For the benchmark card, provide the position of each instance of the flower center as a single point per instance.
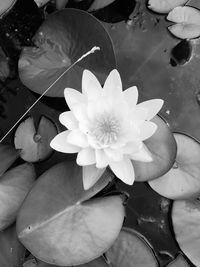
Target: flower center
(105, 129)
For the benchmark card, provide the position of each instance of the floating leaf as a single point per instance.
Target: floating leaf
(183, 180)
(6, 5)
(12, 252)
(14, 186)
(164, 6)
(131, 250)
(63, 38)
(163, 149)
(34, 144)
(187, 21)
(185, 219)
(98, 4)
(179, 262)
(7, 156)
(58, 223)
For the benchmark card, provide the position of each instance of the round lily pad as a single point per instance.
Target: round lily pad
(183, 179)
(185, 219)
(131, 250)
(34, 144)
(59, 223)
(61, 40)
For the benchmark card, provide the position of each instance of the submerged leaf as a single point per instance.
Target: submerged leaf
(187, 21)
(164, 6)
(59, 224)
(63, 38)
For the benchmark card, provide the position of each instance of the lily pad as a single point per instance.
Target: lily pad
(183, 180)
(60, 41)
(131, 250)
(58, 222)
(7, 156)
(6, 5)
(164, 6)
(12, 252)
(34, 144)
(14, 186)
(98, 4)
(187, 21)
(162, 146)
(185, 219)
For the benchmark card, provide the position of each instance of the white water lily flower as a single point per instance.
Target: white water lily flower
(106, 126)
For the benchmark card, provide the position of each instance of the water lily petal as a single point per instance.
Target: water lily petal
(138, 114)
(91, 87)
(68, 120)
(113, 154)
(142, 155)
(60, 143)
(102, 160)
(131, 147)
(147, 129)
(73, 96)
(131, 96)
(77, 138)
(113, 84)
(80, 111)
(153, 106)
(123, 170)
(91, 175)
(86, 157)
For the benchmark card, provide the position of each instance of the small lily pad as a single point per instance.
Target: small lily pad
(187, 21)
(58, 222)
(34, 144)
(131, 250)
(162, 146)
(164, 6)
(185, 219)
(183, 179)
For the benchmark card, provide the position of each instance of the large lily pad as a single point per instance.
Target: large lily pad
(59, 223)
(63, 38)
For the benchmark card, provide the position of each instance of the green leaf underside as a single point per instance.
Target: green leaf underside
(63, 226)
(66, 36)
(162, 146)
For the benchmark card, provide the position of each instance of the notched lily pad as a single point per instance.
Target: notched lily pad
(162, 146)
(63, 38)
(58, 221)
(164, 6)
(131, 250)
(34, 144)
(183, 180)
(187, 21)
